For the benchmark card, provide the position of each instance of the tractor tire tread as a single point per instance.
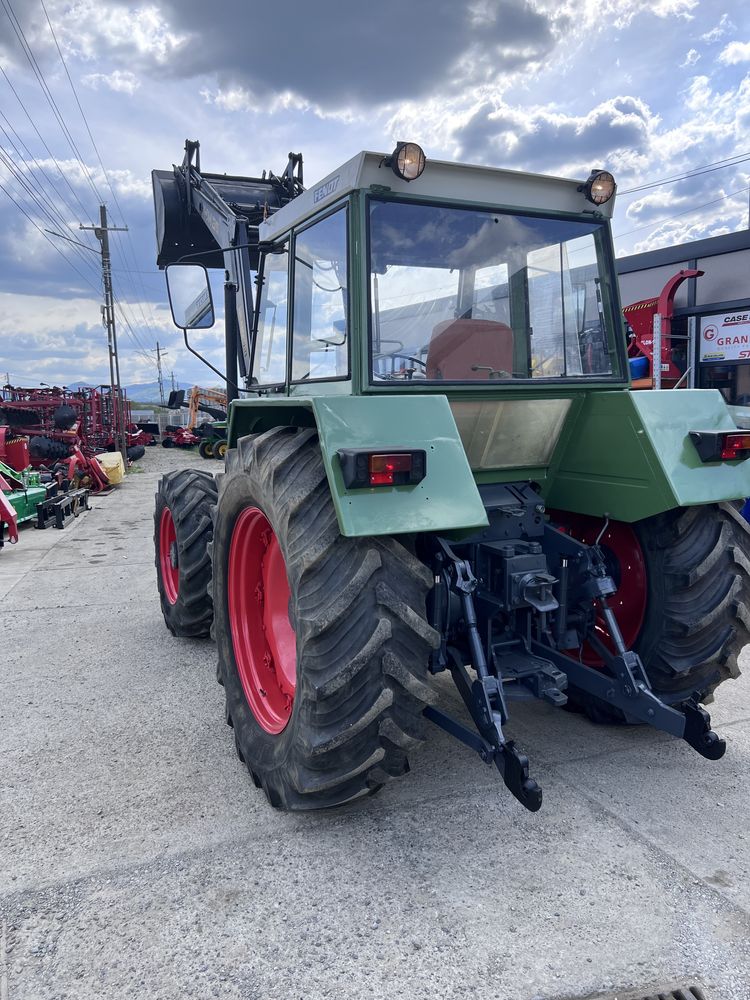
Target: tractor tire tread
(190, 495)
(358, 610)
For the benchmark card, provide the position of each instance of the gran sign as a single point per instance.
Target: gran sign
(725, 337)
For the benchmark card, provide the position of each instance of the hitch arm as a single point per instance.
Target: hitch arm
(483, 697)
(631, 694)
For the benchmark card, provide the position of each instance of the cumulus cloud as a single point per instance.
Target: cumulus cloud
(118, 80)
(674, 8)
(691, 58)
(334, 55)
(735, 52)
(541, 139)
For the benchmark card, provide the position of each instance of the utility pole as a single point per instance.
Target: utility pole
(174, 384)
(102, 232)
(159, 353)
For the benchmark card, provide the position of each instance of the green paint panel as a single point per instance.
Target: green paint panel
(629, 454)
(446, 499)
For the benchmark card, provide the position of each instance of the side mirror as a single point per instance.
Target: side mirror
(190, 296)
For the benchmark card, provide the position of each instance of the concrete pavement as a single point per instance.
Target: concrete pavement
(139, 861)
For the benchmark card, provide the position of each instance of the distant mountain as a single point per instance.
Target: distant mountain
(143, 392)
(148, 392)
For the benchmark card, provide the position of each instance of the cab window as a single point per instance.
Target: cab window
(320, 329)
(269, 362)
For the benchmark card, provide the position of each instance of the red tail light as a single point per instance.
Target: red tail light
(384, 468)
(735, 446)
(362, 467)
(721, 446)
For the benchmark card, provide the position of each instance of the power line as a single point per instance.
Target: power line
(44, 212)
(677, 215)
(53, 245)
(41, 139)
(148, 324)
(31, 58)
(21, 158)
(708, 168)
(24, 155)
(139, 348)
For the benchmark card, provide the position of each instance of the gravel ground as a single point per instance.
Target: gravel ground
(139, 861)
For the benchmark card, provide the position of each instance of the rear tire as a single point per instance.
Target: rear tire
(205, 449)
(357, 607)
(697, 620)
(167, 442)
(220, 450)
(183, 526)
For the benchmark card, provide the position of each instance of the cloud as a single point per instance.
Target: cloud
(691, 58)
(121, 81)
(735, 52)
(674, 8)
(725, 27)
(545, 139)
(334, 55)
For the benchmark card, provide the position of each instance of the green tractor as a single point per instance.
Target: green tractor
(213, 440)
(435, 463)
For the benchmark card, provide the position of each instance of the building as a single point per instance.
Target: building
(711, 325)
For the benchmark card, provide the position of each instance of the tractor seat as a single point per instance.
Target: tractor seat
(458, 345)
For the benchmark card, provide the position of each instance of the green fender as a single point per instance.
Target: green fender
(446, 499)
(629, 455)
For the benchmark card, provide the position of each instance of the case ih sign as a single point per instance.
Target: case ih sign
(726, 337)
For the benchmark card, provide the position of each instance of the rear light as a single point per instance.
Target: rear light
(362, 468)
(721, 446)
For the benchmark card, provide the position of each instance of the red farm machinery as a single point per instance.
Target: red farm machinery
(650, 334)
(58, 428)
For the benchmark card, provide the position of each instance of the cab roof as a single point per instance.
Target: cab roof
(455, 182)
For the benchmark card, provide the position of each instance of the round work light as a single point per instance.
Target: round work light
(600, 187)
(407, 161)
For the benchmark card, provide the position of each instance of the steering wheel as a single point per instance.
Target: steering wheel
(416, 364)
(493, 373)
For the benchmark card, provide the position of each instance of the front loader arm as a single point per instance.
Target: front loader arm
(213, 219)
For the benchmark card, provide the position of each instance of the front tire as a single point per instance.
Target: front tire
(183, 527)
(344, 662)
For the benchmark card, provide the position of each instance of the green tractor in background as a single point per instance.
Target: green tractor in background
(213, 440)
(436, 464)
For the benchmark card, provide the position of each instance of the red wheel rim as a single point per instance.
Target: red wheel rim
(168, 557)
(265, 646)
(626, 565)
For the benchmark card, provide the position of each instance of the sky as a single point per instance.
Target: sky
(94, 94)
